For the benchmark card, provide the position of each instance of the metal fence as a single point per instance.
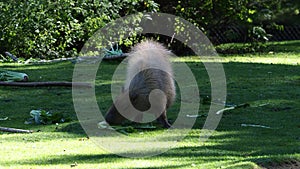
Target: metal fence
(231, 34)
(288, 33)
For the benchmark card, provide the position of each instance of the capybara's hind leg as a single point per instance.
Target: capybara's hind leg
(162, 119)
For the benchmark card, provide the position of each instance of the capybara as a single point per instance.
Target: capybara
(149, 85)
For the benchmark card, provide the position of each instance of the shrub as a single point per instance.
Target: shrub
(52, 29)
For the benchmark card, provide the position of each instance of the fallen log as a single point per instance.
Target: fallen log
(14, 130)
(45, 84)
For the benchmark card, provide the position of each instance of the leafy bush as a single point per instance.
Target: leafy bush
(52, 29)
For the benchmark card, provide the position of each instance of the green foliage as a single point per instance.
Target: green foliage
(259, 33)
(53, 29)
(10, 76)
(46, 117)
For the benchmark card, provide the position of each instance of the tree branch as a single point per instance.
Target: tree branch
(14, 130)
(45, 84)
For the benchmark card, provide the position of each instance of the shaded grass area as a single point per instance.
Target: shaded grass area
(260, 48)
(255, 80)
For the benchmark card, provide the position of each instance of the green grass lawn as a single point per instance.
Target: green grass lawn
(269, 82)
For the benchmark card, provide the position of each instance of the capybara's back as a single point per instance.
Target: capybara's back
(149, 83)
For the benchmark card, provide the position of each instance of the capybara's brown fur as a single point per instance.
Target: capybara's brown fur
(149, 85)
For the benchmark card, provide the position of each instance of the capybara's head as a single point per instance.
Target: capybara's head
(113, 116)
(122, 102)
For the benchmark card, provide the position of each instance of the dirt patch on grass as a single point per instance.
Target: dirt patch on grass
(284, 165)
